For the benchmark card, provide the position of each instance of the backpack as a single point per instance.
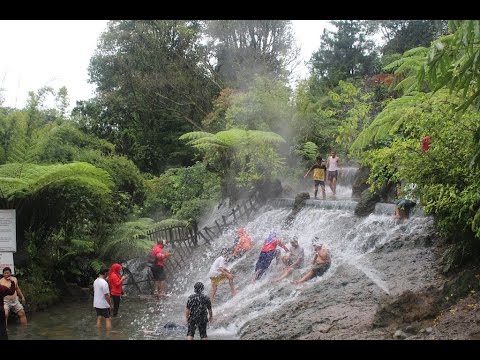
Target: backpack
(151, 260)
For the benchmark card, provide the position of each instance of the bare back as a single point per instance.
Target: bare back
(322, 256)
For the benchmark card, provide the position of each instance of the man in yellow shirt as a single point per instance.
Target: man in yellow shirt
(319, 171)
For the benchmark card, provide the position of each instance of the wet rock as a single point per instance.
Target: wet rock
(462, 284)
(359, 184)
(297, 206)
(408, 307)
(366, 203)
(399, 335)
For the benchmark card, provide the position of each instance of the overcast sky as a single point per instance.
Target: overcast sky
(56, 53)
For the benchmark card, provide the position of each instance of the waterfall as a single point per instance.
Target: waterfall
(349, 238)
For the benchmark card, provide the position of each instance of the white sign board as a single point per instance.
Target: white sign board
(6, 259)
(8, 235)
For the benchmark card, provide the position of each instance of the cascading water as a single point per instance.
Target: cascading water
(344, 183)
(348, 237)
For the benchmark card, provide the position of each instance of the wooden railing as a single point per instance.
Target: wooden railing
(183, 239)
(240, 212)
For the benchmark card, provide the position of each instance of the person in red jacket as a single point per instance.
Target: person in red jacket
(115, 281)
(267, 254)
(5, 291)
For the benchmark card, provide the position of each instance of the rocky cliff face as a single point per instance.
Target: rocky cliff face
(353, 304)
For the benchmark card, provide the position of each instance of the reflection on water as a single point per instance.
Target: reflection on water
(140, 318)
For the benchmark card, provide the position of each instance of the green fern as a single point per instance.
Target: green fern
(129, 239)
(26, 180)
(454, 61)
(308, 151)
(408, 69)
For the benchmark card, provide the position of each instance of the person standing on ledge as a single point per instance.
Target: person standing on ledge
(333, 163)
(319, 172)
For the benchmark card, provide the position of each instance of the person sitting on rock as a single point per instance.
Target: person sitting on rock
(267, 254)
(320, 264)
(292, 260)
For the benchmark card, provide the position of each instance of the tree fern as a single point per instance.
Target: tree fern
(387, 122)
(251, 153)
(308, 151)
(454, 61)
(399, 115)
(129, 239)
(407, 70)
(24, 180)
(232, 138)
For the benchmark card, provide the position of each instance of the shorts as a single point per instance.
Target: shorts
(158, 273)
(405, 204)
(332, 175)
(14, 305)
(319, 270)
(298, 266)
(319, 182)
(105, 312)
(216, 280)
(202, 329)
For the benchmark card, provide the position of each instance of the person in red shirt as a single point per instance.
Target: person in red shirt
(425, 143)
(158, 270)
(115, 281)
(267, 254)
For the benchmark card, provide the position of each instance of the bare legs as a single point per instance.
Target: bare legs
(285, 274)
(108, 322)
(212, 293)
(214, 289)
(310, 274)
(333, 185)
(232, 289)
(21, 316)
(160, 289)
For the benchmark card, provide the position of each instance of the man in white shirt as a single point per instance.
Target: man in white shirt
(218, 273)
(333, 163)
(101, 299)
(293, 259)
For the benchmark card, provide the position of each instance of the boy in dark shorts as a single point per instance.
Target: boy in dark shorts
(196, 314)
(320, 264)
(101, 299)
(319, 171)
